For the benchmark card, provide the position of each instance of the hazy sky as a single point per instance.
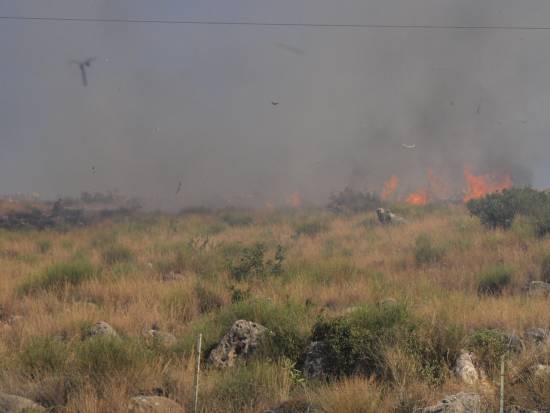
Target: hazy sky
(169, 103)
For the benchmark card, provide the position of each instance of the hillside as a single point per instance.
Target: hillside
(395, 307)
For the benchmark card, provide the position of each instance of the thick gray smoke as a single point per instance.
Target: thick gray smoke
(171, 103)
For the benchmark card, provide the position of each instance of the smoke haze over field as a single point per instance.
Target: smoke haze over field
(193, 103)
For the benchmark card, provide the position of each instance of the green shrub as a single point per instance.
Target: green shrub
(44, 246)
(488, 346)
(355, 343)
(425, 252)
(289, 324)
(248, 388)
(545, 269)
(239, 294)
(57, 276)
(44, 355)
(117, 253)
(250, 262)
(435, 347)
(494, 280)
(101, 357)
(498, 210)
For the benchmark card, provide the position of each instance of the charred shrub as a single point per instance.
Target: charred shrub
(494, 280)
(310, 228)
(350, 201)
(355, 343)
(236, 218)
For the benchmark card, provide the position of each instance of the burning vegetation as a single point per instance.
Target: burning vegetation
(474, 187)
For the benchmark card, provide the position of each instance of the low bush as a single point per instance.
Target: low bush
(355, 343)
(208, 299)
(102, 357)
(43, 355)
(494, 280)
(289, 324)
(117, 253)
(56, 277)
(488, 346)
(425, 252)
(249, 263)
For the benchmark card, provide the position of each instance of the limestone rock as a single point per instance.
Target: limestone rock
(386, 217)
(458, 403)
(16, 404)
(541, 371)
(465, 369)
(242, 339)
(102, 329)
(154, 404)
(315, 361)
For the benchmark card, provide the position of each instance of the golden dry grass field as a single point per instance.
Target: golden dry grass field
(291, 271)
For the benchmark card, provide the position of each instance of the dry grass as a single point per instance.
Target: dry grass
(344, 264)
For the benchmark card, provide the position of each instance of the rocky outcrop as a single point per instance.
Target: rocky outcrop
(315, 360)
(15, 404)
(541, 371)
(242, 339)
(465, 370)
(154, 404)
(102, 329)
(458, 403)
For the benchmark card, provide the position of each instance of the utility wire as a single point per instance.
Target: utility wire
(269, 24)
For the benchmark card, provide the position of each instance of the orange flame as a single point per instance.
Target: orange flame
(295, 200)
(481, 185)
(389, 187)
(418, 198)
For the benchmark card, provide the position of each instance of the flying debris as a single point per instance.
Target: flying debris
(93, 170)
(274, 102)
(404, 145)
(179, 188)
(82, 66)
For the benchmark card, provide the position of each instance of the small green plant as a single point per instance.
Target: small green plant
(545, 268)
(425, 252)
(494, 280)
(355, 344)
(72, 272)
(276, 265)
(43, 355)
(250, 263)
(102, 356)
(488, 346)
(44, 246)
(116, 253)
